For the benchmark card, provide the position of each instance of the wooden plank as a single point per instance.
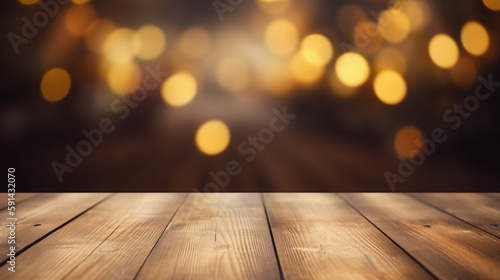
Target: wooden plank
(42, 214)
(20, 197)
(446, 246)
(492, 195)
(110, 241)
(476, 209)
(215, 236)
(318, 236)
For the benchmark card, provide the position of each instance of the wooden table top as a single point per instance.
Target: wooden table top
(254, 236)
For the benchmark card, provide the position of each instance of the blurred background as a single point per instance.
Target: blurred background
(163, 95)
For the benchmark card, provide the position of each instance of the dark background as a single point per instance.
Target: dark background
(334, 144)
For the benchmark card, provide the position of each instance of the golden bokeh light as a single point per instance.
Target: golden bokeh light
(394, 25)
(390, 87)
(96, 34)
(493, 5)
(179, 89)
(390, 58)
(118, 47)
(233, 74)
(28, 2)
(338, 88)
(464, 73)
(212, 137)
(195, 42)
(303, 71)
(407, 141)
(443, 51)
(148, 42)
(274, 7)
(78, 18)
(55, 84)
(281, 37)
(124, 78)
(316, 49)
(475, 38)
(352, 69)
(80, 1)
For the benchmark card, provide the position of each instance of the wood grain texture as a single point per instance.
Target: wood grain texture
(110, 241)
(20, 197)
(227, 235)
(122, 253)
(476, 209)
(215, 236)
(318, 236)
(40, 215)
(446, 246)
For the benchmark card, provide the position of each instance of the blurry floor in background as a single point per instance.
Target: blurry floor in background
(293, 162)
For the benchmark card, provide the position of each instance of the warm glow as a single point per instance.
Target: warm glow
(493, 5)
(390, 87)
(316, 49)
(124, 78)
(352, 69)
(464, 73)
(304, 72)
(415, 12)
(179, 89)
(195, 42)
(367, 36)
(28, 2)
(443, 51)
(212, 137)
(148, 42)
(80, 1)
(475, 38)
(348, 17)
(408, 140)
(118, 46)
(338, 88)
(78, 18)
(96, 34)
(275, 78)
(281, 37)
(390, 58)
(394, 25)
(55, 84)
(233, 74)
(274, 7)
